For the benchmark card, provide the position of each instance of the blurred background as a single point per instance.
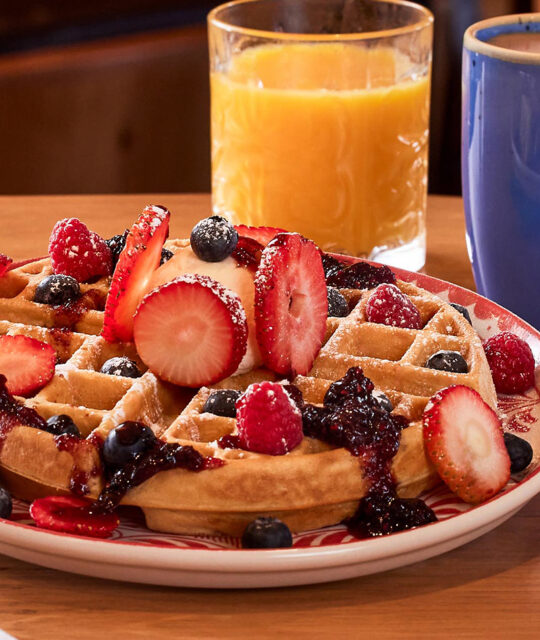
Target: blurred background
(112, 96)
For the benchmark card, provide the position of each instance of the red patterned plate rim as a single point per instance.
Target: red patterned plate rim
(455, 518)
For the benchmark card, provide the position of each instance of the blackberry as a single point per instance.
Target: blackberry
(213, 239)
(57, 290)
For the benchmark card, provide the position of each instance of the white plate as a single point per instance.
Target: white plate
(137, 554)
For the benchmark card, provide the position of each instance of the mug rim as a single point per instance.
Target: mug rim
(425, 20)
(471, 41)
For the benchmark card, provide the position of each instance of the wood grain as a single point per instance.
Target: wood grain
(487, 589)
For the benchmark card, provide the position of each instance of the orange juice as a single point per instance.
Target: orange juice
(326, 139)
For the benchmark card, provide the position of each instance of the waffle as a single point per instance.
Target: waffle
(313, 486)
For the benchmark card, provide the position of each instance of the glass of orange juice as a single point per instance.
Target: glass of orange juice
(319, 121)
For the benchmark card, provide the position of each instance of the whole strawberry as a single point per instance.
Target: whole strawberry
(268, 420)
(511, 362)
(78, 252)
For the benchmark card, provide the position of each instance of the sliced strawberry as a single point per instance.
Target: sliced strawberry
(27, 363)
(4, 264)
(464, 440)
(291, 304)
(135, 266)
(191, 331)
(262, 235)
(72, 515)
(248, 252)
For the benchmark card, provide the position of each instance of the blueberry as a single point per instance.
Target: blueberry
(126, 441)
(520, 452)
(5, 503)
(266, 533)
(166, 255)
(116, 244)
(121, 367)
(222, 403)
(213, 239)
(337, 305)
(57, 289)
(62, 425)
(383, 400)
(448, 361)
(464, 312)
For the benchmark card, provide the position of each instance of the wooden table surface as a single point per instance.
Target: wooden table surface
(487, 588)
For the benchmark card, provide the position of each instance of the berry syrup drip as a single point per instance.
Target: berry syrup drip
(13, 414)
(61, 338)
(352, 418)
(81, 451)
(68, 315)
(359, 275)
(161, 457)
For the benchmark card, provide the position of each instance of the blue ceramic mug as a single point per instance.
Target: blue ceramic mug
(501, 160)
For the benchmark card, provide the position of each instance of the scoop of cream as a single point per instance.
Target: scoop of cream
(231, 275)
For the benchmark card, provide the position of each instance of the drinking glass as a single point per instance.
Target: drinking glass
(319, 121)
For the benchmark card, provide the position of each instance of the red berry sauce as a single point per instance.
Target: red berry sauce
(352, 418)
(80, 450)
(68, 315)
(359, 275)
(161, 457)
(13, 414)
(229, 442)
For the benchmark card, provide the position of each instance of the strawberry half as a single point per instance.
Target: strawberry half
(135, 266)
(464, 440)
(262, 235)
(4, 264)
(191, 331)
(291, 304)
(27, 363)
(72, 515)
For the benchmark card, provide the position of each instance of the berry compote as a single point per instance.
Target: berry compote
(162, 456)
(351, 417)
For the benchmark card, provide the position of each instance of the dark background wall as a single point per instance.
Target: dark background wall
(109, 96)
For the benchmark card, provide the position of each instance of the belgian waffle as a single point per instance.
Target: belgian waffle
(315, 485)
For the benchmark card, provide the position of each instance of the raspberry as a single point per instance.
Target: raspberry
(78, 252)
(388, 305)
(511, 362)
(268, 420)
